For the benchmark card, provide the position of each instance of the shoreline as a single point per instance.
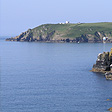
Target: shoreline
(52, 41)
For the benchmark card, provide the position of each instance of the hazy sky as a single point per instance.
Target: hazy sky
(17, 16)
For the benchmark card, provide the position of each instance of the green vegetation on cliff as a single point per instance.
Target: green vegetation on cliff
(82, 32)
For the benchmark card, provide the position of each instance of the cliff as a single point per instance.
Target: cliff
(104, 64)
(80, 32)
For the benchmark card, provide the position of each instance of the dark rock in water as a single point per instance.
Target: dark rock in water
(108, 76)
(103, 62)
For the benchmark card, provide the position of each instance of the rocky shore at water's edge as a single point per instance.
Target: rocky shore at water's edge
(104, 64)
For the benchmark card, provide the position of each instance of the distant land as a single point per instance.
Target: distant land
(67, 32)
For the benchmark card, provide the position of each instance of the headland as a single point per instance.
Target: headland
(68, 32)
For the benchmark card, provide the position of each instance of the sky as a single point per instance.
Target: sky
(16, 16)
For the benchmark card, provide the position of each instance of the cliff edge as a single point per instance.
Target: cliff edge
(104, 64)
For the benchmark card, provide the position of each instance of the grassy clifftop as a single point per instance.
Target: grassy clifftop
(82, 32)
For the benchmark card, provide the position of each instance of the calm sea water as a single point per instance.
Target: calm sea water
(52, 77)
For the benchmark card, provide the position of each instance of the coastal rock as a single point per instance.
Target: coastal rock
(103, 62)
(108, 76)
(110, 109)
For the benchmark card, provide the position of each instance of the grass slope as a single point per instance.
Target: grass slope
(75, 30)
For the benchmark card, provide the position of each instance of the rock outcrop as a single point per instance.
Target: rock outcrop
(103, 62)
(108, 75)
(110, 109)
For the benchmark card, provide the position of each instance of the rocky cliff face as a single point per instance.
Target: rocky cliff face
(103, 62)
(66, 33)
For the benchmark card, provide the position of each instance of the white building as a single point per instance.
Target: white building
(67, 22)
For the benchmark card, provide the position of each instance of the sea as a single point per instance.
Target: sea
(52, 77)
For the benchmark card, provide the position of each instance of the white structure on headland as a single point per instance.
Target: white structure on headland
(67, 22)
(61, 23)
